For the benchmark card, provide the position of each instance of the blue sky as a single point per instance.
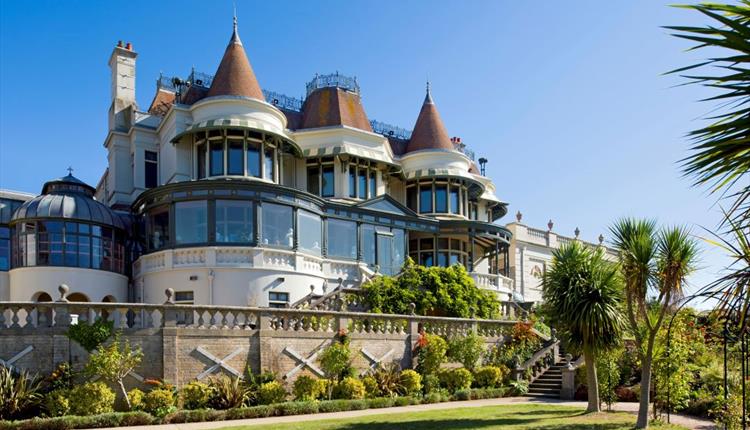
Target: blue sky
(566, 99)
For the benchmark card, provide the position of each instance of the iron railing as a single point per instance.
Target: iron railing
(333, 80)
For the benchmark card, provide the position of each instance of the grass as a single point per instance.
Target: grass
(515, 417)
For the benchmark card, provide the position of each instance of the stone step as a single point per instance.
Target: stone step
(544, 384)
(554, 396)
(548, 378)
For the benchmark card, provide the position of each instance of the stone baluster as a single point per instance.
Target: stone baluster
(169, 317)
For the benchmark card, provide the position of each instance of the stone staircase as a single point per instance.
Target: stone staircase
(549, 383)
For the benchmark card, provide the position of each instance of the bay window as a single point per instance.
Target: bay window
(234, 221)
(278, 225)
(342, 238)
(191, 222)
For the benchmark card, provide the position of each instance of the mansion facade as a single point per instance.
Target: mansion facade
(233, 195)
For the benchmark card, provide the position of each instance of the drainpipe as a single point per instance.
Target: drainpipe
(522, 272)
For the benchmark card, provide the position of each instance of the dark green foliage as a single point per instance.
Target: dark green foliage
(431, 384)
(114, 419)
(381, 402)
(455, 379)
(228, 392)
(260, 411)
(196, 416)
(521, 344)
(447, 291)
(464, 394)
(91, 336)
(388, 379)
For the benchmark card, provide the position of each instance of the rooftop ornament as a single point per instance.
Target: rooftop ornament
(519, 216)
(550, 224)
(333, 80)
(389, 130)
(577, 232)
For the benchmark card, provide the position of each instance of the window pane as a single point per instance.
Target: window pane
(313, 184)
(217, 158)
(362, 191)
(201, 161)
(150, 169)
(373, 184)
(399, 246)
(454, 258)
(327, 186)
(442, 259)
(310, 229)
(441, 198)
(352, 181)
(425, 199)
(278, 227)
(368, 243)
(425, 259)
(234, 158)
(253, 159)
(84, 251)
(411, 198)
(4, 248)
(157, 225)
(342, 238)
(191, 222)
(71, 249)
(426, 243)
(234, 221)
(269, 163)
(455, 203)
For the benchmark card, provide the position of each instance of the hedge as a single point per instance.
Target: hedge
(124, 419)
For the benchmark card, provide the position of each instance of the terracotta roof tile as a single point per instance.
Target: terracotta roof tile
(429, 131)
(162, 102)
(235, 76)
(333, 106)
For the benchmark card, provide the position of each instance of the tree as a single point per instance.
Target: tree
(584, 292)
(720, 154)
(651, 261)
(114, 362)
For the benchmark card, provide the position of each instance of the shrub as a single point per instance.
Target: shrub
(467, 349)
(227, 393)
(91, 398)
(324, 387)
(335, 361)
(260, 411)
(18, 394)
(297, 408)
(488, 393)
(381, 402)
(350, 389)
(371, 386)
(435, 397)
(411, 382)
(271, 392)
(91, 336)
(431, 384)
(388, 379)
(114, 362)
(195, 395)
(519, 388)
(432, 353)
(455, 379)
(57, 403)
(626, 394)
(405, 401)
(488, 376)
(136, 399)
(305, 388)
(159, 402)
(462, 395)
(341, 405)
(195, 416)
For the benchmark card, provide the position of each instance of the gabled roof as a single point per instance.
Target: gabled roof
(429, 130)
(235, 76)
(386, 203)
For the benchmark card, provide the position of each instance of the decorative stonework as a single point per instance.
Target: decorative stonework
(9, 362)
(218, 363)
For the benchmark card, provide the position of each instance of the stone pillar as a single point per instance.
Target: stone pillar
(169, 339)
(568, 389)
(413, 337)
(264, 338)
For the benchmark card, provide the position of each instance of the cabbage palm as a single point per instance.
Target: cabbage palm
(584, 293)
(721, 150)
(655, 262)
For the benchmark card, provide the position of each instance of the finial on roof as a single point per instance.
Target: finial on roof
(519, 216)
(601, 239)
(70, 171)
(428, 97)
(550, 224)
(577, 232)
(235, 34)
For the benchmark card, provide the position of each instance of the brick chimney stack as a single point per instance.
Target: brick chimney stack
(122, 67)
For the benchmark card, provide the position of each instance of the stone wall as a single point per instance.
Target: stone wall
(182, 343)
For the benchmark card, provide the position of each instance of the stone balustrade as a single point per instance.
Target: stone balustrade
(247, 257)
(182, 343)
(489, 281)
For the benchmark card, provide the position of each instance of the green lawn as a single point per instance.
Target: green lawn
(519, 416)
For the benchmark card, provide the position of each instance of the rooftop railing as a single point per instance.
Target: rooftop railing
(333, 80)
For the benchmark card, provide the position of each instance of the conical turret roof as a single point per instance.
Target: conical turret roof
(235, 76)
(429, 131)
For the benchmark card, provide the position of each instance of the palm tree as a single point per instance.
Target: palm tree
(657, 262)
(584, 293)
(721, 150)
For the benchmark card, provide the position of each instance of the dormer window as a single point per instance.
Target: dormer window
(321, 177)
(362, 181)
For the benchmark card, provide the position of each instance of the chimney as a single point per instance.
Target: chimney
(122, 67)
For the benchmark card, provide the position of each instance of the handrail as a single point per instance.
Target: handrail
(539, 354)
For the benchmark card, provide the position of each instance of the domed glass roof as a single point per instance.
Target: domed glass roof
(68, 198)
